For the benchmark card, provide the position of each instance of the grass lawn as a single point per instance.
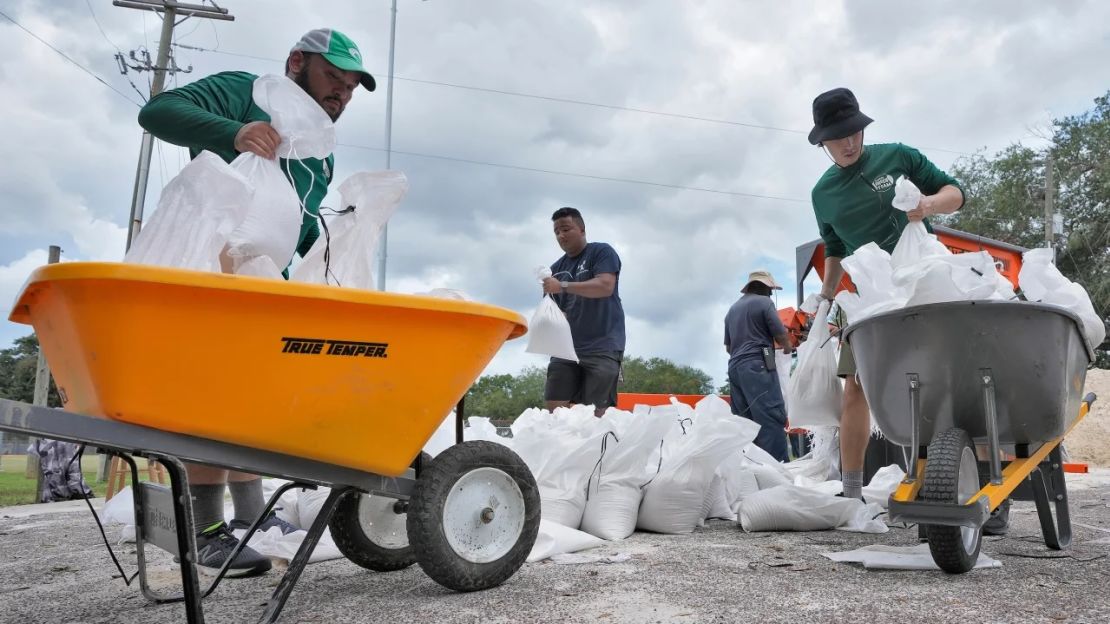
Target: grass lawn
(17, 489)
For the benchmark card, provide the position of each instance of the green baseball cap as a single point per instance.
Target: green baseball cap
(338, 49)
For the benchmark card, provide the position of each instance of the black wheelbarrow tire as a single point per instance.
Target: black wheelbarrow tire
(952, 476)
(368, 530)
(474, 516)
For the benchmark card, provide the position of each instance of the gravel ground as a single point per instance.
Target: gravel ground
(53, 568)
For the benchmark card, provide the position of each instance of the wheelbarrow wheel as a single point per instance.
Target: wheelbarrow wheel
(474, 516)
(952, 476)
(372, 530)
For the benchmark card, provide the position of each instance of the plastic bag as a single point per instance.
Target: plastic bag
(272, 223)
(549, 332)
(872, 272)
(1040, 280)
(1038, 275)
(615, 486)
(674, 500)
(368, 200)
(814, 392)
(916, 243)
(196, 213)
(906, 195)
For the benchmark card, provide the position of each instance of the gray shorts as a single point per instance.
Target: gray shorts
(590, 381)
(846, 364)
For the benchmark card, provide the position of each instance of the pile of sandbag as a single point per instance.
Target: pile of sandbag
(664, 469)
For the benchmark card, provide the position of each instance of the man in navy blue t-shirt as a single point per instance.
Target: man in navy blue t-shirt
(584, 284)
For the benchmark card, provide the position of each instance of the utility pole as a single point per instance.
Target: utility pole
(388, 136)
(170, 10)
(42, 393)
(1049, 238)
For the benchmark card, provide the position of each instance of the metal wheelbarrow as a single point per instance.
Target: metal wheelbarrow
(319, 385)
(944, 378)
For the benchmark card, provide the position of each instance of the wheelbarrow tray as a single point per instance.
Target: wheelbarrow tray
(1036, 354)
(349, 377)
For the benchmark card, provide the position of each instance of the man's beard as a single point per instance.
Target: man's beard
(302, 81)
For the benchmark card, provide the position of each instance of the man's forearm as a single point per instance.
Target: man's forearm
(945, 201)
(834, 272)
(177, 120)
(596, 288)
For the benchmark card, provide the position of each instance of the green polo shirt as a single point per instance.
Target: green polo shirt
(853, 204)
(207, 114)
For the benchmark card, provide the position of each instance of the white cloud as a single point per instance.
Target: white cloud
(941, 76)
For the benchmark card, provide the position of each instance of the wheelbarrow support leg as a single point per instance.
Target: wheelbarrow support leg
(1049, 488)
(991, 413)
(186, 535)
(300, 560)
(914, 382)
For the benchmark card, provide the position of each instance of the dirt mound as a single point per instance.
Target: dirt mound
(1090, 441)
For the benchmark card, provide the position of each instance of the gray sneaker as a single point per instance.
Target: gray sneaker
(999, 522)
(215, 543)
(271, 521)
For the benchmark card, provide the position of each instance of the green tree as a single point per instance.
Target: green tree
(504, 397)
(17, 372)
(662, 376)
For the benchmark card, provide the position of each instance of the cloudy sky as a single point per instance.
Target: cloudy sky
(677, 127)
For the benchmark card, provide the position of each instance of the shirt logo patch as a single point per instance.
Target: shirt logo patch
(883, 183)
(327, 170)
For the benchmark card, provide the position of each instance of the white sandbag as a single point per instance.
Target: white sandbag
(196, 213)
(275, 545)
(906, 194)
(1038, 275)
(673, 500)
(916, 244)
(272, 224)
(256, 266)
(615, 487)
(481, 428)
(756, 456)
(120, 509)
(309, 503)
(767, 477)
(814, 391)
(716, 504)
(883, 484)
(784, 362)
(792, 508)
(443, 437)
(738, 480)
(1040, 280)
(560, 449)
(556, 539)
(871, 270)
(368, 200)
(549, 332)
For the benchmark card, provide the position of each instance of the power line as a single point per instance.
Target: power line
(562, 100)
(579, 175)
(66, 57)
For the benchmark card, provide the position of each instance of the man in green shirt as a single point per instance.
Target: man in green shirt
(852, 203)
(218, 114)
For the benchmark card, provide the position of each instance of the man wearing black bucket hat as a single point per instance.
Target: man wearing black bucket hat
(852, 203)
(218, 114)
